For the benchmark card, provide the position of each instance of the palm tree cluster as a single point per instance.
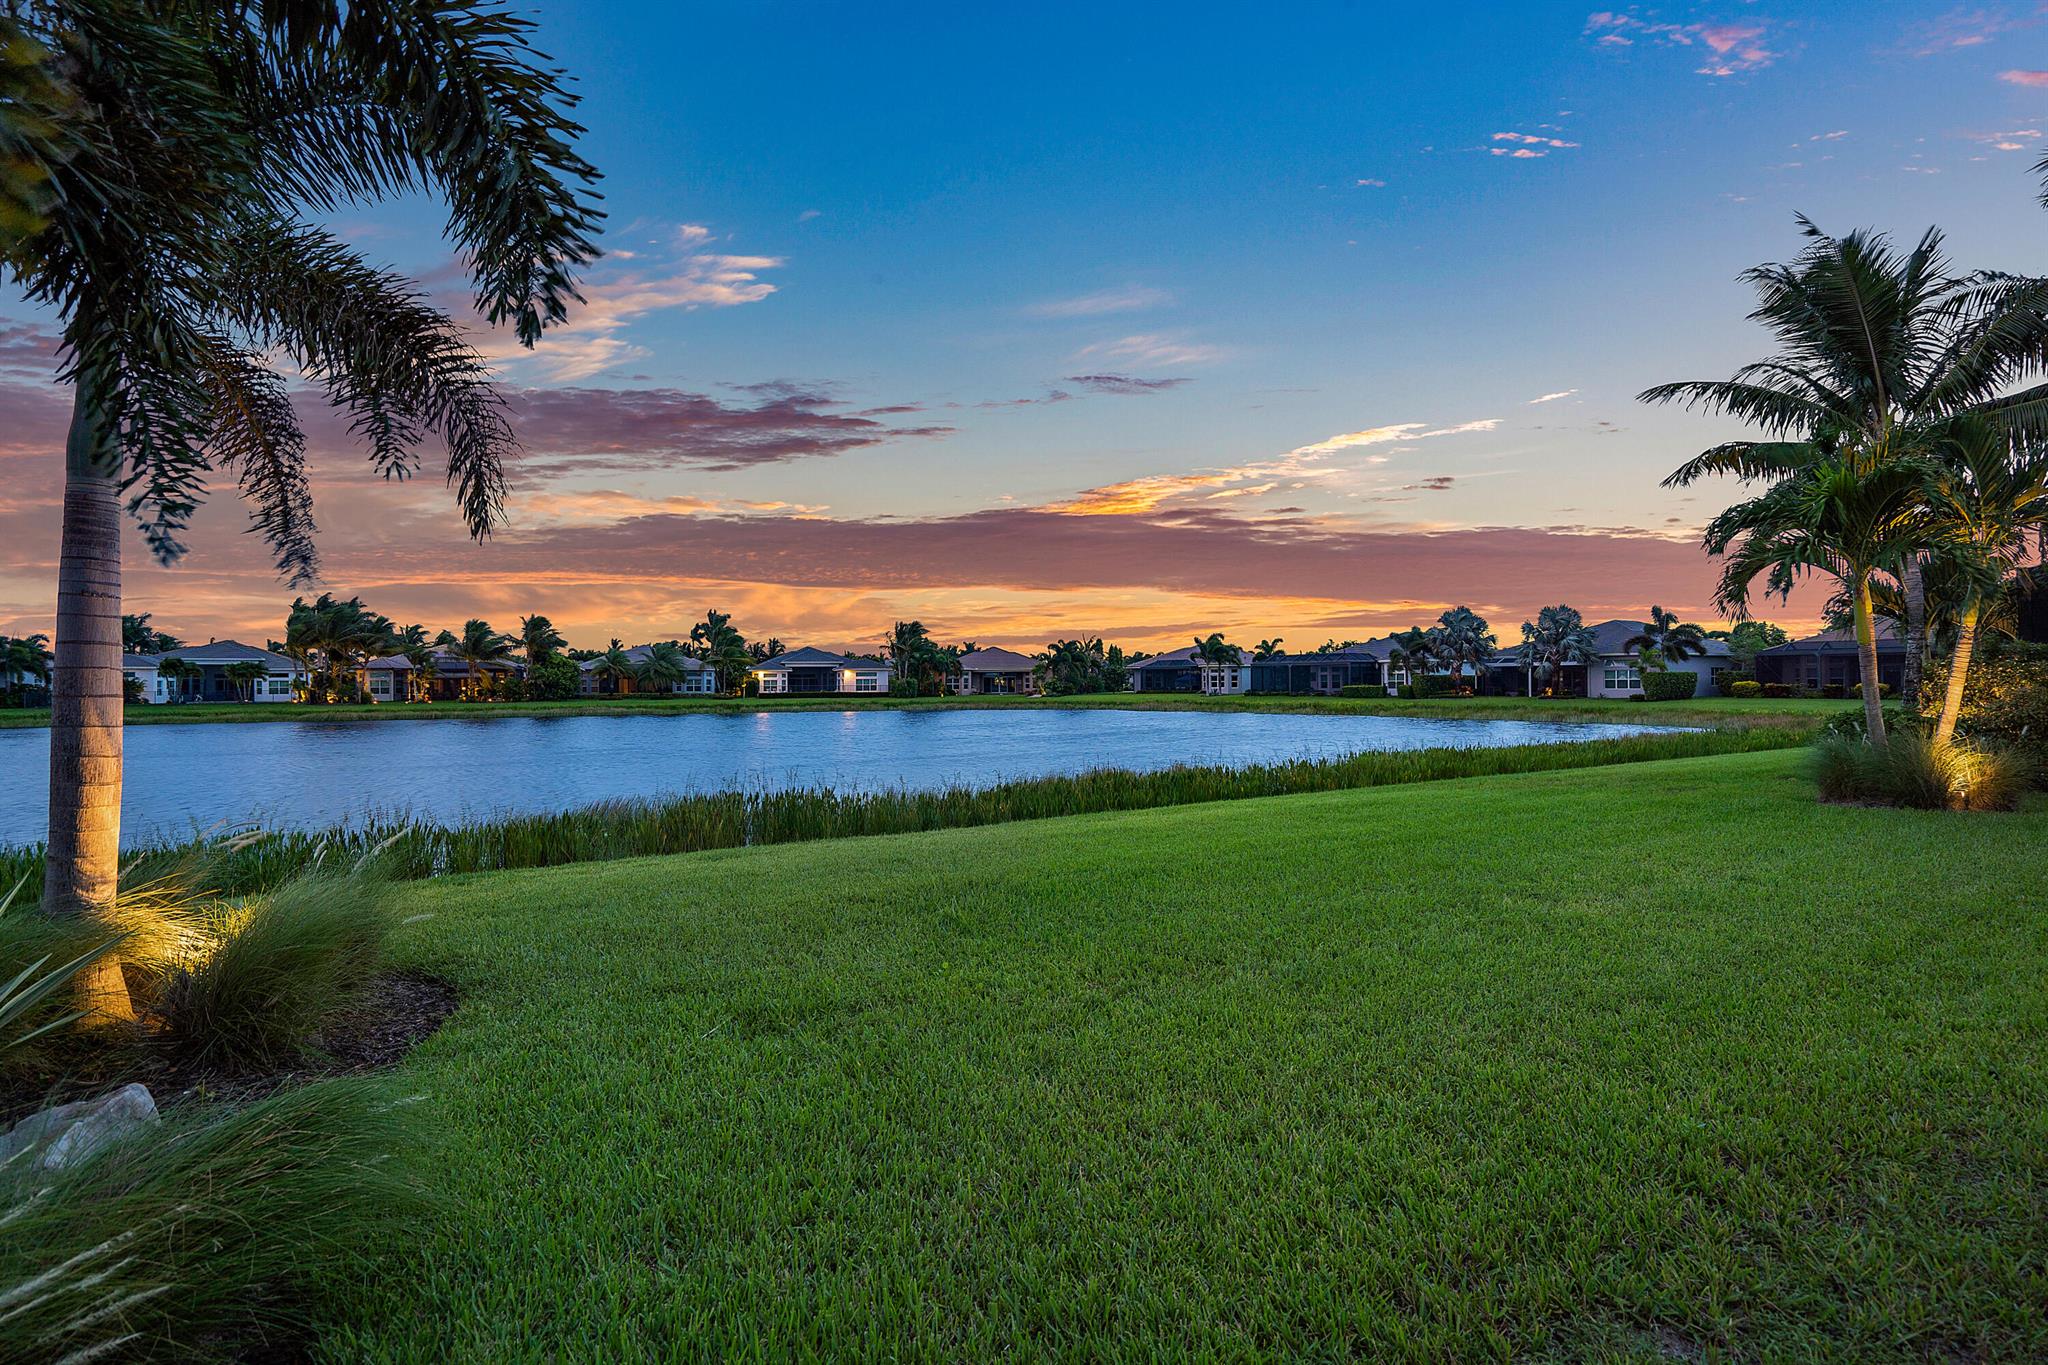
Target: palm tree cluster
(920, 664)
(1666, 640)
(1070, 668)
(332, 639)
(1558, 638)
(1906, 450)
(170, 168)
(139, 637)
(24, 660)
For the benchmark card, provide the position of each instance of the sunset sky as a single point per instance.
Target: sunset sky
(1132, 321)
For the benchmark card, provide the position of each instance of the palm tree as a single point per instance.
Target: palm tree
(180, 169)
(1409, 652)
(723, 647)
(1843, 515)
(1215, 652)
(1666, 639)
(912, 653)
(1558, 637)
(138, 637)
(1461, 637)
(478, 647)
(21, 658)
(419, 652)
(1879, 352)
(245, 674)
(539, 638)
(662, 667)
(1990, 500)
(344, 635)
(615, 664)
(1267, 649)
(179, 673)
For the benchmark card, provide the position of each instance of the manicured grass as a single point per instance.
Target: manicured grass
(1716, 711)
(1645, 1062)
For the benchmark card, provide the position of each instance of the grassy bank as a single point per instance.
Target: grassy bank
(689, 824)
(1664, 1061)
(1721, 712)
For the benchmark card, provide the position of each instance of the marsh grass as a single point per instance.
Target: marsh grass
(690, 824)
(1914, 771)
(194, 1242)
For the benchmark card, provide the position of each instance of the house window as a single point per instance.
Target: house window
(1623, 677)
(380, 685)
(867, 682)
(774, 682)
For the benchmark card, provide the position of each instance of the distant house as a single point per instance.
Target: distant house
(806, 672)
(1829, 659)
(1178, 671)
(395, 677)
(699, 678)
(1615, 671)
(279, 682)
(995, 672)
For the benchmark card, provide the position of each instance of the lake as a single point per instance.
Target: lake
(315, 774)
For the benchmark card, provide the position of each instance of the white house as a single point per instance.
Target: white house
(806, 672)
(995, 672)
(699, 678)
(1615, 670)
(280, 681)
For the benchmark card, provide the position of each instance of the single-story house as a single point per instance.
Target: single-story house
(810, 671)
(280, 681)
(699, 679)
(1354, 666)
(1829, 660)
(1615, 671)
(994, 672)
(395, 677)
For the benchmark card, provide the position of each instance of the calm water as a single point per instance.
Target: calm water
(313, 774)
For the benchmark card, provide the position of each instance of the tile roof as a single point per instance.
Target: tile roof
(996, 661)
(814, 658)
(229, 652)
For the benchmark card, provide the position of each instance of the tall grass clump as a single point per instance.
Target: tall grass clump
(1916, 771)
(688, 824)
(276, 966)
(193, 1241)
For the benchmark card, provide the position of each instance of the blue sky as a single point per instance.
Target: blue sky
(1281, 288)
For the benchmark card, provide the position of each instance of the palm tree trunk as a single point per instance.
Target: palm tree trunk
(84, 858)
(1866, 652)
(1913, 578)
(1958, 672)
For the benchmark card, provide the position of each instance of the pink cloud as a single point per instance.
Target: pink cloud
(2028, 78)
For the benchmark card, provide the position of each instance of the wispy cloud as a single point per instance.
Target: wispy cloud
(1156, 348)
(1130, 298)
(1122, 383)
(1961, 28)
(1552, 397)
(1731, 49)
(1835, 136)
(2013, 140)
(2028, 78)
(1371, 183)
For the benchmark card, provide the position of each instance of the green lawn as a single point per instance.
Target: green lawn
(1717, 711)
(1648, 1062)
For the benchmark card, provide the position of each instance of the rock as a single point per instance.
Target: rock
(69, 1133)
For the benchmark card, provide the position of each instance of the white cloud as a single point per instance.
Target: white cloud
(1128, 298)
(1372, 184)
(1153, 348)
(1552, 397)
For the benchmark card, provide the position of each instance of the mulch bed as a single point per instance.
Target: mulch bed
(397, 1012)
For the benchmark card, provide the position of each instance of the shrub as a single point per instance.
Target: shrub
(2005, 701)
(275, 969)
(1670, 685)
(194, 1241)
(1779, 690)
(903, 687)
(1914, 771)
(1745, 687)
(1835, 691)
(1884, 690)
(554, 678)
(1361, 690)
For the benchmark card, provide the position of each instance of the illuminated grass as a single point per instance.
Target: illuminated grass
(1646, 1062)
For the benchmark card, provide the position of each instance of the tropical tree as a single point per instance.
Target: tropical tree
(178, 172)
(663, 666)
(723, 647)
(412, 642)
(616, 664)
(22, 658)
(771, 647)
(138, 637)
(1071, 668)
(481, 649)
(179, 674)
(1215, 651)
(245, 674)
(1407, 652)
(914, 655)
(538, 638)
(1267, 649)
(1460, 638)
(1747, 639)
(1665, 640)
(1556, 639)
(342, 635)
(1879, 352)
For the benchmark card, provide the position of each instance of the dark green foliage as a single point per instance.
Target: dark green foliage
(1361, 690)
(283, 964)
(1670, 685)
(2005, 699)
(1779, 691)
(204, 1238)
(554, 678)
(904, 687)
